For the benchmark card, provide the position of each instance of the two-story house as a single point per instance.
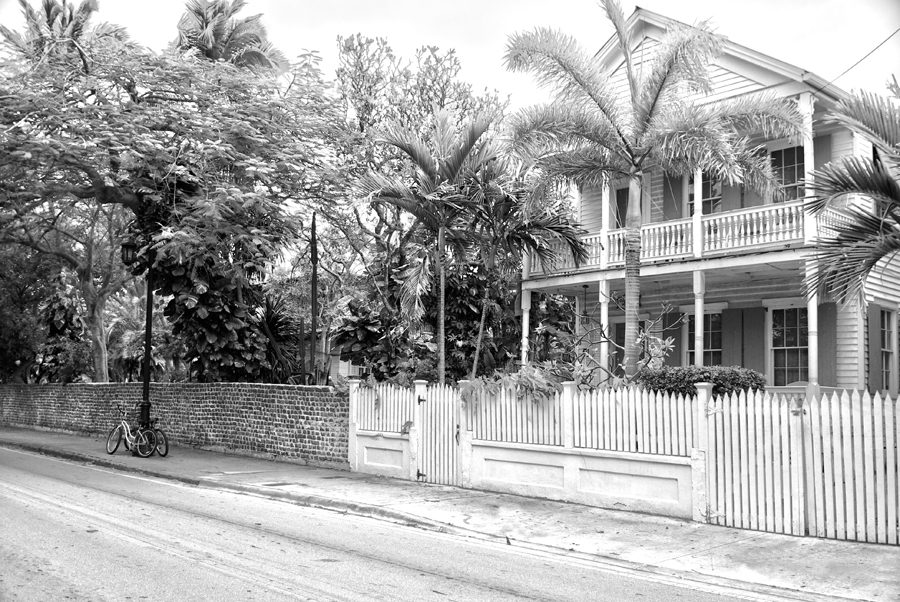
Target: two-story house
(731, 256)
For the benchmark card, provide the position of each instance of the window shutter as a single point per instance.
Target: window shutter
(873, 324)
(671, 197)
(827, 328)
(821, 150)
(755, 334)
(732, 337)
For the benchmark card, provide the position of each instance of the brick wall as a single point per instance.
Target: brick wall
(302, 424)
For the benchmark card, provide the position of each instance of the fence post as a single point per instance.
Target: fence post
(415, 429)
(798, 478)
(464, 450)
(568, 413)
(699, 473)
(813, 392)
(352, 443)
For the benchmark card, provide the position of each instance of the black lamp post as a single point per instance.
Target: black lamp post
(129, 255)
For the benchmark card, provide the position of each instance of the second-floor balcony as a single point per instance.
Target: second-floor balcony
(761, 228)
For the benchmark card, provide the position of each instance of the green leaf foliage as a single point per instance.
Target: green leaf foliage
(681, 380)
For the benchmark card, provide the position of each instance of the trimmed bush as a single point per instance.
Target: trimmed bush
(678, 379)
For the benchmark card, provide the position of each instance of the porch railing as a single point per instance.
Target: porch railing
(754, 228)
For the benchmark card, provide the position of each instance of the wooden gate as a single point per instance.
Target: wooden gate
(438, 457)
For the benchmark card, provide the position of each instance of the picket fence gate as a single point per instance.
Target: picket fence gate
(825, 466)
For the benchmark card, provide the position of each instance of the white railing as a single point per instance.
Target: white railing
(755, 227)
(777, 223)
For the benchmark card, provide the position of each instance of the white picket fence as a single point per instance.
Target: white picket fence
(384, 408)
(633, 420)
(824, 466)
(509, 417)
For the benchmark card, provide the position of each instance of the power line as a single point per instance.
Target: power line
(883, 42)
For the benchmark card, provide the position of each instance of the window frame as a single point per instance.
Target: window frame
(689, 311)
(780, 304)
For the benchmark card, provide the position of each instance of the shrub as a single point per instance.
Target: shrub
(677, 379)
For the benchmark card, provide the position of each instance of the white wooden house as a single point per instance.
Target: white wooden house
(739, 259)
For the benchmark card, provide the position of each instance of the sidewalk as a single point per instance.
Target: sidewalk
(763, 565)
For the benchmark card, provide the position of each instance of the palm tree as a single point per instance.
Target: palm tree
(441, 161)
(507, 224)
(57, 29)
(868, 232)
(589, 134)
(212, 28)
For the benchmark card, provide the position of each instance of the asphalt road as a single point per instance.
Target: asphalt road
(75, 532)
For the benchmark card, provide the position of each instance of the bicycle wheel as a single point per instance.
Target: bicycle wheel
(145, 443)
(113, 439)
(162, 443)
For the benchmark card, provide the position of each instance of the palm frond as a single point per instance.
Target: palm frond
(679, 67)
(416, 282)
(854, 249)
(625, 42)
(405, 139)
(854, 175)
(874, 117)
(453, 161)
(557, 62)
(561, 126)
(763, 113)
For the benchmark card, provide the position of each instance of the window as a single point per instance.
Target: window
(789, 345)
(621, 206)
(710, 194)
(887, 348)
(712, 340)
(788, 166)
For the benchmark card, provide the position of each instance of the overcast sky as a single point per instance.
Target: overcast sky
(823, 36)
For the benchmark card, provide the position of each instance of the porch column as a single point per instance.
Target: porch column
(697, 222)
(604, 223)
(526, 317)
(812, 330)
(806, 105)
(699, 292)
(604, 323)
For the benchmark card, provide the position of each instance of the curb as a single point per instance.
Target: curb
(722, 585)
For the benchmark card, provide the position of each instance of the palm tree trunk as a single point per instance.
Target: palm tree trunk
(480, 339)
(632, 273)
(442, 352)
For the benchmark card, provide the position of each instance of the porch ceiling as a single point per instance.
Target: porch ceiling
(681, 283)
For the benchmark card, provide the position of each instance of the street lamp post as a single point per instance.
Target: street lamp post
(129, 253)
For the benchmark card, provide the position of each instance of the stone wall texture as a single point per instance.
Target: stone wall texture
(302, 424)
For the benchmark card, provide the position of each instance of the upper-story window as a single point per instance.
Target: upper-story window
(790, 170)
(710, 194)
(621, 206)
(887, 348)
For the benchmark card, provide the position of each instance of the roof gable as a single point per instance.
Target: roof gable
(738, 70)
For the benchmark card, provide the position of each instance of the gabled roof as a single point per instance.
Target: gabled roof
(654, 23)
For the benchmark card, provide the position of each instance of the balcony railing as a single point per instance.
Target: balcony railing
(755, 228)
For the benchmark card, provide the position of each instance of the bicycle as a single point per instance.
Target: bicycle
(140, 440)
(162, 441)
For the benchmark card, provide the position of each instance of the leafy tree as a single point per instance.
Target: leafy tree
(26, 281)
(211, 28)
(589, 133)
(868, 233)
(207, 155)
